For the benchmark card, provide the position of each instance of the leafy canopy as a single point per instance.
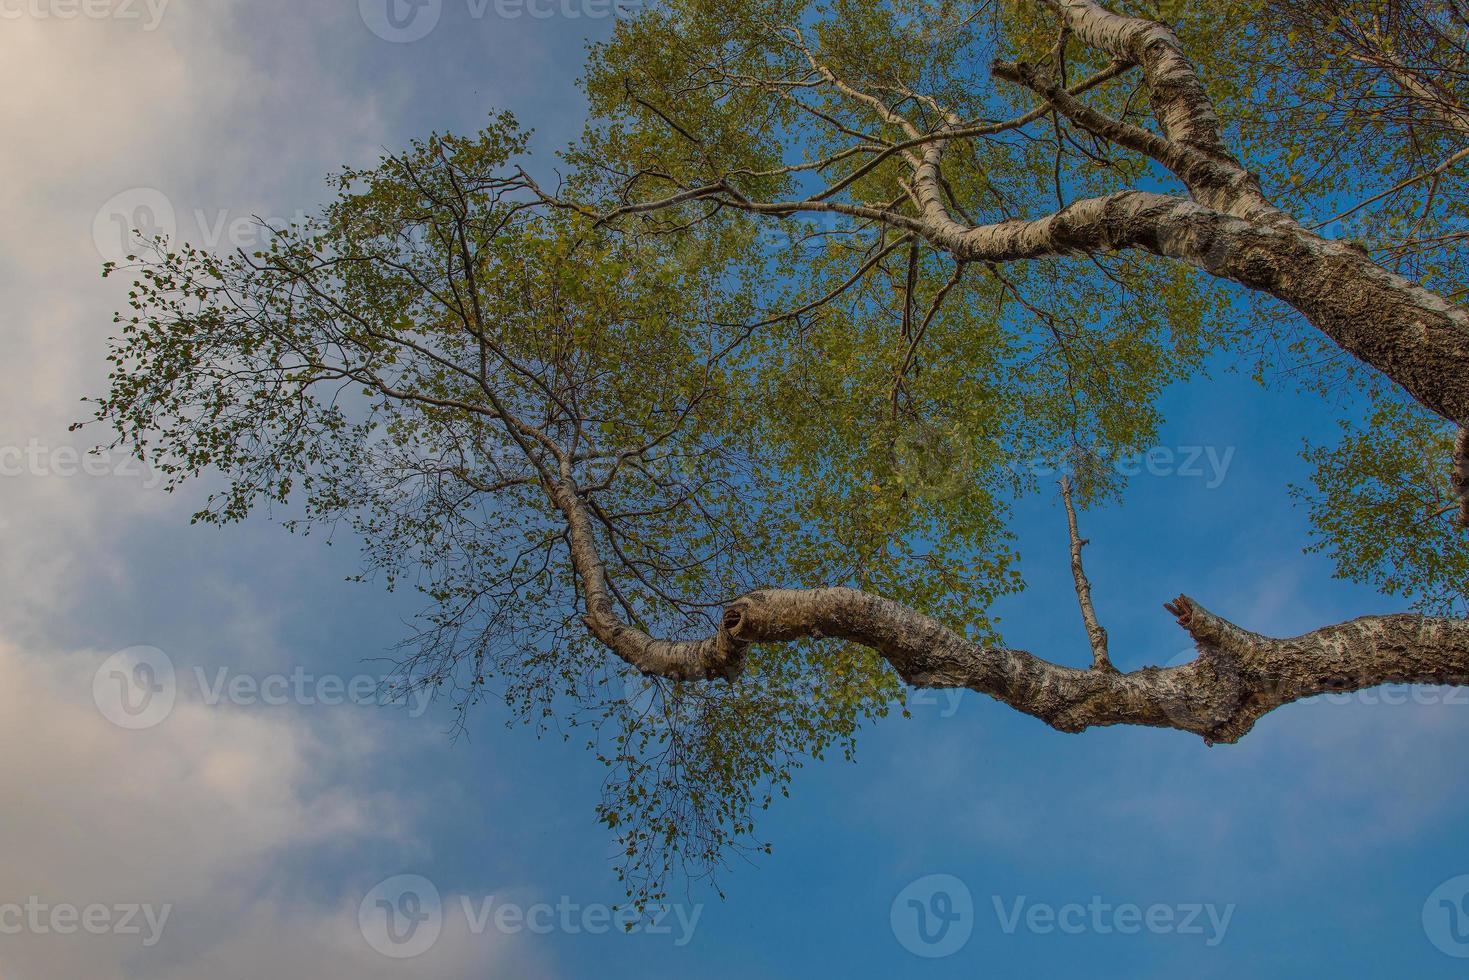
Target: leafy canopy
(747, 400)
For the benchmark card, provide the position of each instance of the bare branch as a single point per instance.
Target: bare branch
(1095, 632)
(1460, 477)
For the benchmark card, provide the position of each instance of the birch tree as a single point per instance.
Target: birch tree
(702, 442)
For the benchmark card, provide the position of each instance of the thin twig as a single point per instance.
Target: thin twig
(1095, 632)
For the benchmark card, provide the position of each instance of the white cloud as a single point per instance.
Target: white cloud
(215, 813)
(92, 108)
(224, 815)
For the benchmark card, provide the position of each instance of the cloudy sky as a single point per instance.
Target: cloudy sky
(281, 830)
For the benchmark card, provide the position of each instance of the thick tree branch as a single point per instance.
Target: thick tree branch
(1179, 101)
(1410, 334)
(1182, 107)
(1413, 336)
(1226, 227)
(718, 656)
(1237, 678)
(1215, 182)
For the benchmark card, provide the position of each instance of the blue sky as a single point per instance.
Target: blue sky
(266, 828)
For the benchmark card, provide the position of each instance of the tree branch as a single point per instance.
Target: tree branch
(1410, 334)
(1182, 107)
(1460, 477)
(1095, 632)
(1237, 678)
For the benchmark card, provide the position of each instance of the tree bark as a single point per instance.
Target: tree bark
(1229, 229)
(1408, 333)
(1237, 678)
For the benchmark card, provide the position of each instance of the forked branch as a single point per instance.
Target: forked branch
(1238, 677)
